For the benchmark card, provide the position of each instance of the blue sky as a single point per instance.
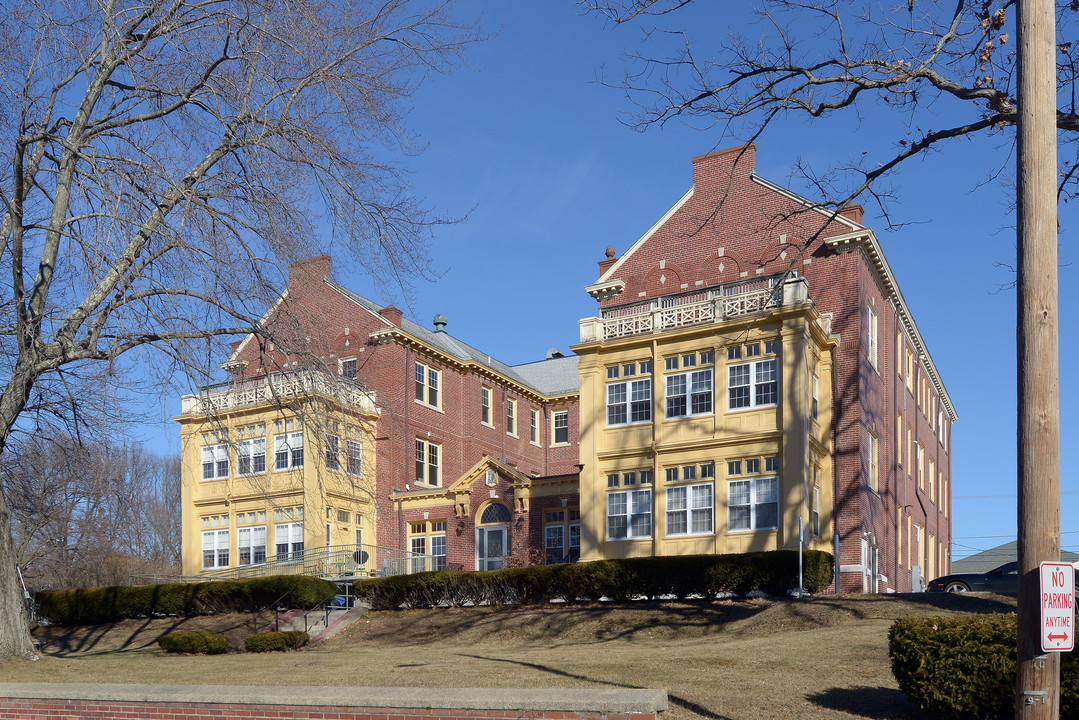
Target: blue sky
(530, 146)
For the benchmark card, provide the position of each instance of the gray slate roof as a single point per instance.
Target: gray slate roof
(995, 557)
(553, 376)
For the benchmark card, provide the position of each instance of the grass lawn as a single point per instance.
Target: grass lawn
(825, 657)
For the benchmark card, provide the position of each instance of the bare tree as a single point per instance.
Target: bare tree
(91, 514)
(161, 164)
(947, 69)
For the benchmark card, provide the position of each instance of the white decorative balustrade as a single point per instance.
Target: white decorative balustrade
(278, 387)
(697, 308)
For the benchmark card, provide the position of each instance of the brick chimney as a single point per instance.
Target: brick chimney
(392, 314)
(852, 212)
(307, 272)
(712, 171)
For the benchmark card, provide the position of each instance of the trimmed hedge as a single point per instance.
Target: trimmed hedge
(201, 642)
(774, 572)
(90, 606)
(271, 641)
(964, 667)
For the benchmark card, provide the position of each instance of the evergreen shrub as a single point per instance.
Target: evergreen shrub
(200, 642)
(705, 576)
(964, 667)
(272, 641)
(90, 606)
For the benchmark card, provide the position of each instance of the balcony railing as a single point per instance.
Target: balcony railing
(699, 307)
(340, 561)
(278, 387)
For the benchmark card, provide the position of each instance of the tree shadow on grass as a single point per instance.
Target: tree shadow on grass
(876, 703)
(672, 699)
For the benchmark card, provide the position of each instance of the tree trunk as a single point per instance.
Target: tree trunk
(14, 628)
(1038, 674)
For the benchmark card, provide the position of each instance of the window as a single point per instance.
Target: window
(734, 467)
(353, 457)
(533, 426)
(427, 461)
(215, 462)
(646, 477)
(629, 370)
(511, 417)
(251, 456)
(427, 382)
(288, 541)
(612, 372)
(612, 480)
(753, 504)
(689, 509)
(288, 450)
(708, 357)
(931, 474)
(629, 402)
(689, 472)
(752, 384)
(753, 466)
(438, 544)
(558, 526)
(629, 514)
(871, 450)
(734, 353)
(215, 549)
(670, 363)
(333, 452)
(909, 369)
(689, 393)
(251, 545)
(418, 546)
(671, 474)
(816, 397)
(485, 406)
(561, 427)
(347, 368)
(919, 465)
(899, 439)
(645, 367)
(708, 470)
(814, 519)
(871, 335)
(771, 464)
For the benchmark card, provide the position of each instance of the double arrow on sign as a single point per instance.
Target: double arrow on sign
(1058, 637)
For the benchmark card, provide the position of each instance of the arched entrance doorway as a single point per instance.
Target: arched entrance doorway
(492, 536)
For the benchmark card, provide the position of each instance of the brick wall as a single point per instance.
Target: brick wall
(44, 709)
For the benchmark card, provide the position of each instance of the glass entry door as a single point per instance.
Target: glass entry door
(492, 547)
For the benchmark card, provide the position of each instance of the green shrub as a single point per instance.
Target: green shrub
(89, 606)
(200, 642)
(964, 667)
(652, 577)
(271, 641)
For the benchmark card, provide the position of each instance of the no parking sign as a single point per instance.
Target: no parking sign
(1057, 593)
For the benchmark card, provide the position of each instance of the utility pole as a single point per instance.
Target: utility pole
(1038, 676)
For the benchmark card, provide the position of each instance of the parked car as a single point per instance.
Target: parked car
(1003, 580)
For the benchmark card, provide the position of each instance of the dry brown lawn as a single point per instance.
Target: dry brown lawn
(825, 657)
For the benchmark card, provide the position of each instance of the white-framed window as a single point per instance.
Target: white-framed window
(752, 384)
(251, 456)
(251, 545)
(511, 417)
(689, 393)
(629, 514)
(814, 519)
(288, 541)
(353, 457)
(347, 367)
(333, 452)
(816, 397)
(533, 426)
(872, 450)
(558, 525)
(919, 464)
(753, 504)
(215, 549)
(427, 384)
(288, 450)
(485, 405)
(629, 402)
(428, 462)
(438, 545)
(690, 509)
(215, 461)
(871, 335)
(560, 422)
(418, 547)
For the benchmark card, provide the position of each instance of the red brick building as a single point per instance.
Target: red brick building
(479, 463)
(891, 424)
